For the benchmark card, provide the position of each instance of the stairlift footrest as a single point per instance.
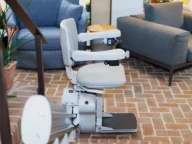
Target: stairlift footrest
(119, 123)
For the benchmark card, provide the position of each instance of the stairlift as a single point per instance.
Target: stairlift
(81, 105)
(89, 80)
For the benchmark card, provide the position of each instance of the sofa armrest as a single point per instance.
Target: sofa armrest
(11, 18)
(139, 16)
(188, 21)
(162, 43)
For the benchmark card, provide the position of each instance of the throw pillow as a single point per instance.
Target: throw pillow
(69, 10)
(170, 14)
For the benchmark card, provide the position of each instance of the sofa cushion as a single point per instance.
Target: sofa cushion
(189, 53)
(52, 34)
(51, 59)
(43, 12)
(69, 10)
(170, 14)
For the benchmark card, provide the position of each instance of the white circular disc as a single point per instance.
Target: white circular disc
(36, 121)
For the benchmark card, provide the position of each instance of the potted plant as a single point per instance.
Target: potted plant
(8, 47)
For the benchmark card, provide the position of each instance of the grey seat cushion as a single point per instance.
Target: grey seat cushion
(189, 52)
(52, 34)
(170, 14)
(101, 76)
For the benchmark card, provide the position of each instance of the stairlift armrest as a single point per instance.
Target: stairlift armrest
(110, 55)
(83, 37)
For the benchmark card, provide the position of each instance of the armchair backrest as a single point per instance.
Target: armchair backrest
(74, 1)
(68, 39)
(43, 12)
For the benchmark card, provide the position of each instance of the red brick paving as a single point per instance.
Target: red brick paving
(164, 113)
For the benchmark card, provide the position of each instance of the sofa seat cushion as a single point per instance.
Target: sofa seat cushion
(189, 53)
(101, 76)
(51, 59)
(52, 34)
(170, 14)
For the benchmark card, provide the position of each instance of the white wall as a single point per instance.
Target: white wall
(190, 4)
(100, 11)
(125, 8)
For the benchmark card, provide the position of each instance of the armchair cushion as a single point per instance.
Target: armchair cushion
(43, 12)
(69, 10)
(188, 21)
(52, 34)
(82, 22)
(170, 14)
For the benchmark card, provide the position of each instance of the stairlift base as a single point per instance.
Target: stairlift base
(91, 119)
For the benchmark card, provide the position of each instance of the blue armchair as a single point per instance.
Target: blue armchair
(47, 14)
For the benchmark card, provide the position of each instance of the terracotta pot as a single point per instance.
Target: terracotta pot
(9, 73)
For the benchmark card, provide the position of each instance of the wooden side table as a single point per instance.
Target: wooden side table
(97, 45)
(100, 27)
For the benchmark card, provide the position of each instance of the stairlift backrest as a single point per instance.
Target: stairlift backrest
(69, 39)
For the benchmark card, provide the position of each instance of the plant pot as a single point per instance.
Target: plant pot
(9, 73)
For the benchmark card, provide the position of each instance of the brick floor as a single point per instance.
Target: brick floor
(164, 113)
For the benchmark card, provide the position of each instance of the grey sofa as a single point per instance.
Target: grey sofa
(47, 14)
(168, 46)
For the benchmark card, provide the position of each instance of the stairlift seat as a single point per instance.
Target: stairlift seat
(100, 75)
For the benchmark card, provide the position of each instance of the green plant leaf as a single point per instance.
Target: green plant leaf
(11, 96)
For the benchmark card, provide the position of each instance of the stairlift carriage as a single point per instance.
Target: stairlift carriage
(81, 105)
